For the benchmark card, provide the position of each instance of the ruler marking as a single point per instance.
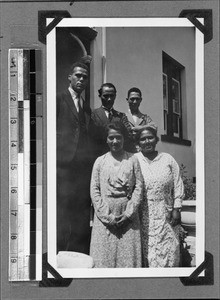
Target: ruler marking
(25, 176)
(39, 82)
(39, 106)
(39, 160)
(26, 131)
(26, 239)
(33, 128)
(21, 130)
(13, 150)
(20, 179)
(13, 60)
(33, 153)
(14, 175)
(32, 105)
(32, 61)
(39, 173)
(13, 198)
(13, 99)
(33, 169)
(13, 271)
(26, 70)
(32, 83)
(33, 197)
(20, 76)
(13, 128)
(20, 167)
(20, 241)
(39, 130)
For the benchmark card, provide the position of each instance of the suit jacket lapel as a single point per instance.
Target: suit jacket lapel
(140, 118)
(87, 113)
(130, 118)
(101, 114)
(71, 104)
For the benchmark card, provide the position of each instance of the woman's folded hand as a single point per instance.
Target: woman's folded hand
(176, 217)
(122, 220)
(113, 223)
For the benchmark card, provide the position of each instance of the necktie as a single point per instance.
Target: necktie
(80, 111)
(77, 104)
(110, 114)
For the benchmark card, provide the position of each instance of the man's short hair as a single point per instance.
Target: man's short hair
(109, 85)
(136, 90)
(80, 65)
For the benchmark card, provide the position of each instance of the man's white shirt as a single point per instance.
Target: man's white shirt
(76, 98)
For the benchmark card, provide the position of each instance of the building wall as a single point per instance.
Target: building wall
(134, 58)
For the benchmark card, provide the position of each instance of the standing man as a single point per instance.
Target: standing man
(135, 118)
(73, 164)
(103, 116)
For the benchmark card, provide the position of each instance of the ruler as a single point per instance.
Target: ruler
(25, 154)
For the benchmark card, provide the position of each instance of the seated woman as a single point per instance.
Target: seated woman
(116, 191)
(160, 208)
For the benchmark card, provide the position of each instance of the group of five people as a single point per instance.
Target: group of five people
(109, 158)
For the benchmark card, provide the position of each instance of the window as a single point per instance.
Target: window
(172, 101)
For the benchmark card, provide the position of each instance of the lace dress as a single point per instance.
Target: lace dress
(163, 188)
(116, 188)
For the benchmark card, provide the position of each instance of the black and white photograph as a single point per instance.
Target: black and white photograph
(125, 147)
(109, 149)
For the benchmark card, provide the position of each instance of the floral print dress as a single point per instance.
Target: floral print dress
(163, 188)
(116, 188)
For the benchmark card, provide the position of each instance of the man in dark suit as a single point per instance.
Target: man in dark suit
(73, 164)
(103, 116)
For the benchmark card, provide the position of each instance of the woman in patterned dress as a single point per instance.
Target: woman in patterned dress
(116, 191)
(160, 208)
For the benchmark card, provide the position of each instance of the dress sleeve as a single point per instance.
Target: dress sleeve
(178, 186)
(137, 193)
(101, 207)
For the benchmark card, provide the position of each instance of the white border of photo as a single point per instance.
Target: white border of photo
(51, 149)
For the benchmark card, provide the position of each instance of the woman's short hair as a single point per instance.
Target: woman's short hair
(151, 127)
(117, 126)
(107, 84)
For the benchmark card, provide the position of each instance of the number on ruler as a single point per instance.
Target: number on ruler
(13, 98)
(13, 191)
(13, 74)
(13, 62)
(13, 144)
(13, 121)
(13, 237)
(13, 260)
(14, 213)
(14, 167)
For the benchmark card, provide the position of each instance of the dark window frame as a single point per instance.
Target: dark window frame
(172, 69)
